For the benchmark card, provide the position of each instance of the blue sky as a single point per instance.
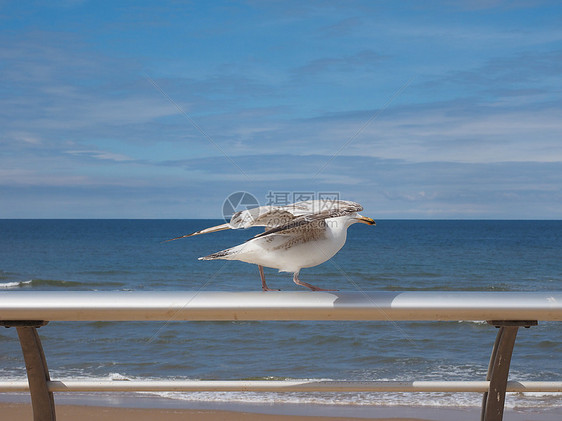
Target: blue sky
(434, 109)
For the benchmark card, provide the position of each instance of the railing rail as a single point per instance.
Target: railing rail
(305, 305)
(279, 386)
(28, 310)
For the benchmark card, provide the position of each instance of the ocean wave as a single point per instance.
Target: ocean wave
(365, 399)
(56, 283)
(15, 284)
(514, 400)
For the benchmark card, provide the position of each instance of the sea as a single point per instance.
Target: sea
(394, 255)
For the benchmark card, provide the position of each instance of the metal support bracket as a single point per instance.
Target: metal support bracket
(42, 401)
(498, 370)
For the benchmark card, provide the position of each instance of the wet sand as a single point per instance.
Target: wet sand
(18, 411)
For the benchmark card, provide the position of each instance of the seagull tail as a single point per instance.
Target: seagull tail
(224, 254)
(204, 231)
(228, 254)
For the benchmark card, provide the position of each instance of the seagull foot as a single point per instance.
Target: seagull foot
(263, 284)
(306, 284)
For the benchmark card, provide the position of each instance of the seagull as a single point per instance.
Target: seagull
(300, 235)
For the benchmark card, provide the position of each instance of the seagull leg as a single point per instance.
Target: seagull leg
(306, 284)
(263, 284)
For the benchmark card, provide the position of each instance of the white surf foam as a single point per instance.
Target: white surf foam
(16, 284)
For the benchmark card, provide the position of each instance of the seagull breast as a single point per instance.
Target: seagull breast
(296, 248)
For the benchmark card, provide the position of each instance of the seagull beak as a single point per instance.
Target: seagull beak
(366, 220)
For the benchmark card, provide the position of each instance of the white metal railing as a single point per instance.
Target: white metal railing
(27, 310)
(305, 305)
(280, 386)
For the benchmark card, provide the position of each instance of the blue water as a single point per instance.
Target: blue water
(395, 255)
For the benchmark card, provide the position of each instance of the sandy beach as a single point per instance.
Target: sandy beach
(13, 411)
(89, 412)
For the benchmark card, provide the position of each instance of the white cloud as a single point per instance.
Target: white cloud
(110, 156)
(442, 132)
(363, 60)
(22, 136)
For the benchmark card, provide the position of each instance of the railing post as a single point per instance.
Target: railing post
(498, 370)
(42, 401)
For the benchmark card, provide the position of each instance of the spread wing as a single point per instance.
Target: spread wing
(284, 218)
(312, 215)
(264, 216)
(275, 216)
(332, 207)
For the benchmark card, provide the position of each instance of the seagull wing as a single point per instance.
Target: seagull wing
(264, 216)
(333, 207)
(203, 231)
(283, 218)
(315, 218)
(276, 216)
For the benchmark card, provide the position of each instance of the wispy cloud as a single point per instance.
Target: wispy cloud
(343, 27)
(100, 155)
(364, 60)
(529, 68)
(387, 188)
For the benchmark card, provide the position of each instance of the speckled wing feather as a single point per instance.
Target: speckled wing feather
(318, 206)
(285, 218)
(264, 216)
(314, 220)
(277, 216)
